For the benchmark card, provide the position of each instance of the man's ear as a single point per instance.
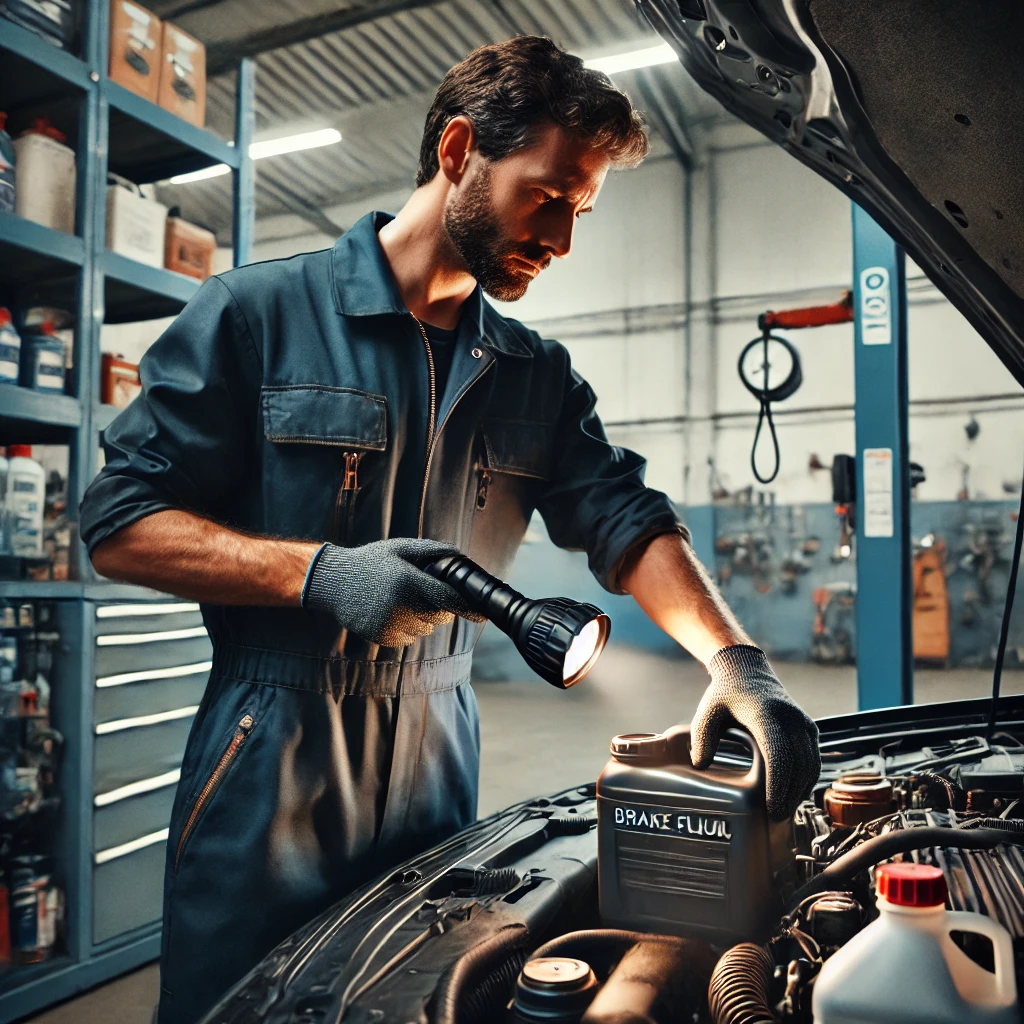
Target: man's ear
(457, 141)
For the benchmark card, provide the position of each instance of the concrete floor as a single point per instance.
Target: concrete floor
(537, 739)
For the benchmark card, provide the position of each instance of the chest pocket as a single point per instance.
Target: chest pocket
(317, 414)
(323, 445)
(518, 448)
(515, 462)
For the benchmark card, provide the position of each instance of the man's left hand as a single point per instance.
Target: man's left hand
(744, 690)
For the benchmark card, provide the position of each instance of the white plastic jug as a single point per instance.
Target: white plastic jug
(25, 502)
(904, 968)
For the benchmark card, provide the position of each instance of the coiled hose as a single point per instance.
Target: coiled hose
(1014, 825)
(738, 992)
(472, 972)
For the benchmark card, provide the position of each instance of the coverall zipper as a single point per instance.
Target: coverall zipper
(242, 731)
(431, 433)
(345, 503)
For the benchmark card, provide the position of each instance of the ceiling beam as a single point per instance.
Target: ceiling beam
(222, 56)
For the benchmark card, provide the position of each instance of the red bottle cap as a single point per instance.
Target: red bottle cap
(22, 450)
(911, 885)
(5, 315)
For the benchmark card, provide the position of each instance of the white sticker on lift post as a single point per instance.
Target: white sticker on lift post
(877, 490)
(875, 307)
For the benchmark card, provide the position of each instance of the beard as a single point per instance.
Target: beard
(478, 239)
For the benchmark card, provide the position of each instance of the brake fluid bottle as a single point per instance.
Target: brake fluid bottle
(904, 968)
(689, 852)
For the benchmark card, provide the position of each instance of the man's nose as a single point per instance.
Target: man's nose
(557, 236)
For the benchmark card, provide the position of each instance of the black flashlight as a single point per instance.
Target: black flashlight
(560, 639)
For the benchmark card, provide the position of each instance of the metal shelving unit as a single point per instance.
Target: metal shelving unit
(110, 128)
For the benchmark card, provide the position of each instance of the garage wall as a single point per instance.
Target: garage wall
(782, 238)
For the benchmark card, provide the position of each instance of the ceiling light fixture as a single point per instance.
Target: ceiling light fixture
(265, 148)
(646, 57)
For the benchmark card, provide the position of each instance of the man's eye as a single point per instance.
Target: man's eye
(541, 196)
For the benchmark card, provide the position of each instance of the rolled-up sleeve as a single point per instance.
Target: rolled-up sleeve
(596, 500)
(183, 442)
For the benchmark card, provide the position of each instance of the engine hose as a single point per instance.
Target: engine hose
(882, 847)
(494, 880)
(488, 998)
(600, 947)
(472, 969)
(739, 987)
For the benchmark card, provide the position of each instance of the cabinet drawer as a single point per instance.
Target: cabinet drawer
(128, 886)
(139, 752)
(119, 819)
(120, 653)
(148, 692)
(146, 617)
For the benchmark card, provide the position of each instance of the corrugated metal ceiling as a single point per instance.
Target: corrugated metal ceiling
(374, 81)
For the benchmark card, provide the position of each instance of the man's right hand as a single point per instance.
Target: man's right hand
(379, 592)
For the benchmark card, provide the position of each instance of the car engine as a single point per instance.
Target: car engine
(663, 894)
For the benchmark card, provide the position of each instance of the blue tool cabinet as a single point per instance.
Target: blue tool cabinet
(132, 664)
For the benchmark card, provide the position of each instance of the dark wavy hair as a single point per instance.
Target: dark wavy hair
(510, 89)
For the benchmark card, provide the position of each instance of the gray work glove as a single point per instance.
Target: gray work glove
(380, 593)
(745, 691)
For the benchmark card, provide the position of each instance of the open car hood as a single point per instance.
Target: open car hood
(912, 110)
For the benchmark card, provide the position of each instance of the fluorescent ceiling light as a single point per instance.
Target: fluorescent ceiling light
(293, 143)
(268, 147)
(207, 172)
(633, 59)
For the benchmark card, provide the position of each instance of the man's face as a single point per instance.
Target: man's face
(507, 218)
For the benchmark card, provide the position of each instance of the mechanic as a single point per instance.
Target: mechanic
(311, 432)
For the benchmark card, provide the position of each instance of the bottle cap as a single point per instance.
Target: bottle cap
(3, 120)
(5, 315)
(911, 885)
(639, 746)
(15, 451)
(42, 126)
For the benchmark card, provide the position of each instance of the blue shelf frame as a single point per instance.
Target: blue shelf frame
(113, 128)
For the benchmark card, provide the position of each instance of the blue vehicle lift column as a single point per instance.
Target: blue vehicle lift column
(885, 652)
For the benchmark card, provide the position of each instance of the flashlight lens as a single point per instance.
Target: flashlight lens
(582, 650)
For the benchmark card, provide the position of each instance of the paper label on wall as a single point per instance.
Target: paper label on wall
(875, 307)
(877, 490)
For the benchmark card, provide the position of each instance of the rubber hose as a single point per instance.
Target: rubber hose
(656, 982)
(488, 998)
(471, 969)
(740, 983)
(570, 824)
(600, 947)
(888, 845)
(494, 880)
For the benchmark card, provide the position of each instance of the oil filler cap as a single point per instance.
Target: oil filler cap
(640, 746)
(911, 885)
(554, 989)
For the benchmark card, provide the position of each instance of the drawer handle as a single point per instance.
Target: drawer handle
(125, 639)
(120, 724)
(112, 796)
(113, 852)
(130, 611)
(142, 676)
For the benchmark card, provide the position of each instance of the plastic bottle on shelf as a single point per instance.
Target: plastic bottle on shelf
(905, 968)
(26, 498)
(45, 177)
(43, 360)
(10, 348)
(8, 159)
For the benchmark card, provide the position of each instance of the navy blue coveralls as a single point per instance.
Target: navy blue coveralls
(291, 399)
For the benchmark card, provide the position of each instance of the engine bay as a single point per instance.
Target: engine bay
(664, 894)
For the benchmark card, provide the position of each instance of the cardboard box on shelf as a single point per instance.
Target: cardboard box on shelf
(183, 75)
(135, 41)
(119, 381)
(44, 186)
(135, 224)
(189, 248)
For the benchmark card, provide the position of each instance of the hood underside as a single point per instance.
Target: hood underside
(912, 110)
